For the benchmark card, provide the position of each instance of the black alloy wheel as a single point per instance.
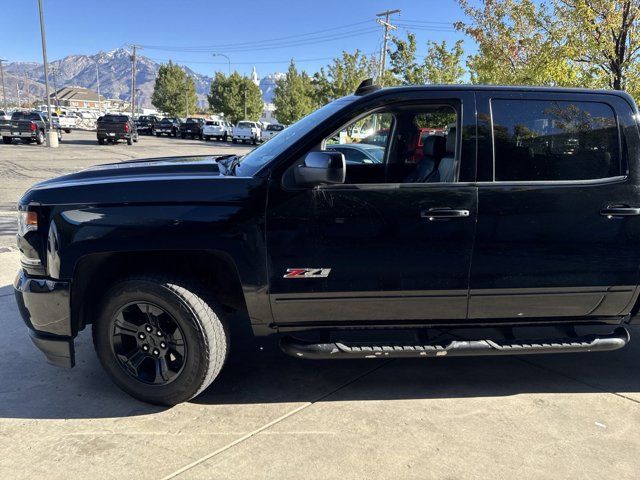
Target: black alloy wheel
(148, 343)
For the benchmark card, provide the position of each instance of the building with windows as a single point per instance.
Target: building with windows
(84, 99)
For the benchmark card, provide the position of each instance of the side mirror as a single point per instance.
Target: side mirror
(321, 168)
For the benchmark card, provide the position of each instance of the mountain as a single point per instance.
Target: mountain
(268, 85)
(115, 76)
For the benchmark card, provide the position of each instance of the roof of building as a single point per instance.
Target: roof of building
(76, 93)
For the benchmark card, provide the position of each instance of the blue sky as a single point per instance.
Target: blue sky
(314, 32)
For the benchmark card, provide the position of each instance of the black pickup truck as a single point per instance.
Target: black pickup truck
(28, 127)
(192, 127)
(111, 128)
(169, 126)
(146, 124)
(516, 232)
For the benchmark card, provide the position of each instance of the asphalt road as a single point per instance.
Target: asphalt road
(272, 416)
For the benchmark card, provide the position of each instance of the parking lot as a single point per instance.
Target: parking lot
(272, 416)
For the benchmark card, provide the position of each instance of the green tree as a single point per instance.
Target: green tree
(604, 38)
(519, 42)
(294, 96)
(174, 91)
(442, 65)
(404, 65)
(343, 76)
(231, 95)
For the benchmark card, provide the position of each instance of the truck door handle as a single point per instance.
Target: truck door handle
(611, 211)
(443, 213)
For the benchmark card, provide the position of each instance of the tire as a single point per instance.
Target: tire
(224, 137)
(234, 141)
(207, 138)
(7, 140)
(183, 135)
(158, 134)
(100, 141)
(129, 141)
(135, 138)
(40, 137)
(203, 333)
(67, 130)
(200, 136)
(254, 141)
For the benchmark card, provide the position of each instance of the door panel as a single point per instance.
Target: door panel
(545, 249)
(388, 260)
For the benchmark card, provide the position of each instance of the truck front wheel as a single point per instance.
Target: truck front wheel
(160, 339)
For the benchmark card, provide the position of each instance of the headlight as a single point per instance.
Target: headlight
(27, 222)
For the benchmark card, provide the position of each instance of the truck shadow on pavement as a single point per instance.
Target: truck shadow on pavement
(264, 375)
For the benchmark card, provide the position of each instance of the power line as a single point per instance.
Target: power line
(260, 62)
(268, 46)
(256, 42)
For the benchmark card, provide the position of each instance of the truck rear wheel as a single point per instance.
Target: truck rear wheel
(7, 140)
(40, 137)
(129, 141)
(159, 339)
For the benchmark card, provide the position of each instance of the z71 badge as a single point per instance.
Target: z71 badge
(307, 272)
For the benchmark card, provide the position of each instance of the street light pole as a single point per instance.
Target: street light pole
(52, 141)
(228, 59)
(4, 92)
(55, 85)
(98, 81)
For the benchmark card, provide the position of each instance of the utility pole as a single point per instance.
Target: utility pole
(52, 139)
(133, 82)
(245, 100)
(387, 26)
(18, 90)
(98, 80)
(4, 92)
(26, 87)
(55, 86)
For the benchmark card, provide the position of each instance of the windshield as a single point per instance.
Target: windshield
(275, 128)
(256, 159)
(245, 125)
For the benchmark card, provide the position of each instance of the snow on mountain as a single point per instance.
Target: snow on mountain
(115, 76)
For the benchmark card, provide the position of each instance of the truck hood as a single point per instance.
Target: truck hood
(158, 180)
(135, 169)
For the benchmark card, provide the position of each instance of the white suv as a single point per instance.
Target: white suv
(218, 129)
(246, 131)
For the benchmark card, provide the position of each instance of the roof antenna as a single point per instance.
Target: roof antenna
(367, 86)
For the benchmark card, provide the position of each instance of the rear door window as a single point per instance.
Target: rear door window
(543, 140)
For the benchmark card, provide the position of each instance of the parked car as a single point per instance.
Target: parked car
(246, 131)
(146, 124)
(4, 116)
(270, 131)
(192, 127)
(358, 153)
(218, 129)
(169, 126)
(498, 229)
(65, 121)
(111, 128)
(28, 127)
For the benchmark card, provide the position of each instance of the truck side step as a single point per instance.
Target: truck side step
(456, 348)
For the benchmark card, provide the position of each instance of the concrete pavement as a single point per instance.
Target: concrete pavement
(272, 416)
